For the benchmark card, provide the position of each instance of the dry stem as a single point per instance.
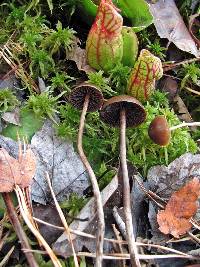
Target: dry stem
(173, 65)
(28, 220)
(114, 241)
(185, 124)
(62, 217)
(117, 256)
(18, 228)
(126, 193)
(96, 191)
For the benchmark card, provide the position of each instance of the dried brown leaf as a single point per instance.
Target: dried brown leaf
(175, 219)
(16, 171)
(194, 25)
(169, 24)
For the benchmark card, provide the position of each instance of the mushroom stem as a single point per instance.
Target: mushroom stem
(126, 193)
(96, 191)
(184, 124)
(18, 229)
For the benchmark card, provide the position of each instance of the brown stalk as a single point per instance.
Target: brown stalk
(18, 229)
(25, 212)
(96, 191)
(62, 217)
(126, 193)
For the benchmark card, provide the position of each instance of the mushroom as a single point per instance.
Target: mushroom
(160, 132)
(125, 111)
(87, 97)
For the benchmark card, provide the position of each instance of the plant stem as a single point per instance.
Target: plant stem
(96, 191)
(126, 193)
(184, 124)
(18, 229)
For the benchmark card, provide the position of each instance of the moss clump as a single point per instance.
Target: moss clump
(101, 142)
(8, 101)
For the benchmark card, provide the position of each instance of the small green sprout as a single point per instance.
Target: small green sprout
(100, 81)
(157, 49)
(8, 100)
(41, 63)
(44, 105)
(74, 204)
(119, 76)
(60, 38)
(62, 81)
(190, 73)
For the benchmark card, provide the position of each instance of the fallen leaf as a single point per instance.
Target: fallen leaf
(12, 117)
(26, 129)
(78, 55)
(48, 213)
(170, 86)
(175, 219)
(58, 158)
(194, 25)
(16, 171)
(169, 24)
(182, 110)
(164, 180)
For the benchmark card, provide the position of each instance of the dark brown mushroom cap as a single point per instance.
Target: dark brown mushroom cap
(159, 131)
(135, 112)
(78, 94)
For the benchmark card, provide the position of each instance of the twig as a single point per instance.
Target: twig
(123, 242)
(116, 256)
(116, 232)
(126, 193)
(6, 258)
(120, 222)
(18, 228)
(184, 124)
(26, 216)
(171, 66)
(192, 91)
(3, 239)
(147, 192)
(96, 191)
(62, 217)
(194, 238)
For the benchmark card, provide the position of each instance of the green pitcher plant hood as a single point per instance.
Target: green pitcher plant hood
(147, 69)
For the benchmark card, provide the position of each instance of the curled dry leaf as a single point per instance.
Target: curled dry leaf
(16, 171)
(175, 219)
(169, 24)
(194, 25)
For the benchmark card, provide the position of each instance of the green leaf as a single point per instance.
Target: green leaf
(30, 123)
(137, 11)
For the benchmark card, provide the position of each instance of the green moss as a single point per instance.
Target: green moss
(98, 79)
(101, 142)
(43, 105)
(143, 153)
(8, 100)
